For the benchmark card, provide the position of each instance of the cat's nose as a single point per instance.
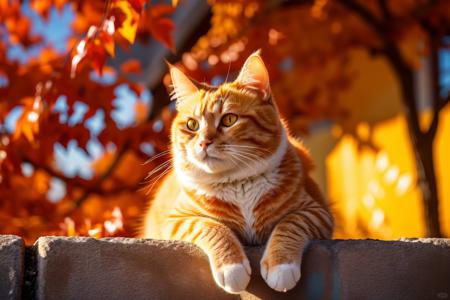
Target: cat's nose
(205, 143)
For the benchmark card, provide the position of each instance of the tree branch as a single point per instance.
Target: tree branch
(87, 186)
(365, 14)
(384, 9)
(444, 102)
(435, 86)
(76, 182)
(98, 182)
(404, 73)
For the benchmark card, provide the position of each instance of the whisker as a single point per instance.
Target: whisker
(153, 182)
(248, 154)
(233, 160)
(165, 152)
(251, 157)
(228, 73)
(240, 159)
(159, 168)
(245, 147)
(257, 151)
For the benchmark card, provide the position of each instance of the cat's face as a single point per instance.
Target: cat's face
(233, 127)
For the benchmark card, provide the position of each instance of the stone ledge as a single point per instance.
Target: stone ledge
(120, 268)
(11, 266)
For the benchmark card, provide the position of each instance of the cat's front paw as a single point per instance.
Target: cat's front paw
(282, 277)
(233, 278)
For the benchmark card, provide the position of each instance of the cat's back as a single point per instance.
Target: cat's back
(307, 166)
(302, 153)
(159, 206)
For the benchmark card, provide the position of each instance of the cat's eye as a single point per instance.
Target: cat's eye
(228, 120)
(192, 125)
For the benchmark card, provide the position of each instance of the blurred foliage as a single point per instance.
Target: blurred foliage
(307, 46)
(89, 206)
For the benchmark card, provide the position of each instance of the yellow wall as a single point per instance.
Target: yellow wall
(374, 192)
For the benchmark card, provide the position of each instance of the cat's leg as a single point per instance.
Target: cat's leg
(280, 264)
(229, 263)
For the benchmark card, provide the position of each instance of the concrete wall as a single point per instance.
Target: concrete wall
(120, 268)
(11, 266)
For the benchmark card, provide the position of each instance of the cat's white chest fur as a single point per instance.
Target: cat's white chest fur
(246, 194)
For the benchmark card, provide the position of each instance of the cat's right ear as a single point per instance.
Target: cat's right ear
(254, 74)
(183, 87)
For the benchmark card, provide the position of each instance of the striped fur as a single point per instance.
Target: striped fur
(250, 188)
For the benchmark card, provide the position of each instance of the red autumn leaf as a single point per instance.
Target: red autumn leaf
(138, 5)
(161, 10)
(97, 57)
(28, 123)
(80, 53)
(129, 20)
(106, 35)
(160, 25)
(162, 31)
(107, 41)
(131, 66)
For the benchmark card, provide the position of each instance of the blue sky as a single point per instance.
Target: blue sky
(55, 32)
(445, 71)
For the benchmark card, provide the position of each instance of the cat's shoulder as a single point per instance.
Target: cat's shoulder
(302, 152)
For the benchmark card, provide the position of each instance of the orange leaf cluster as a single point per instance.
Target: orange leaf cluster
(155, 22)
(122, 18)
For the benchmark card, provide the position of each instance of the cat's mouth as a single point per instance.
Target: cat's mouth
(210, 161)
(206, 155)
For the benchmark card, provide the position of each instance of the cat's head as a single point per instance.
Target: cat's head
(227, 132)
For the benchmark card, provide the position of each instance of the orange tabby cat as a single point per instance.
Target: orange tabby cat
(238, 178)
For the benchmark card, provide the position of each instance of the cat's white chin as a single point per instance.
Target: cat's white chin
(208, 163)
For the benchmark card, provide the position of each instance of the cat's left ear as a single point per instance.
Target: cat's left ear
(183, 87)
(254, 74)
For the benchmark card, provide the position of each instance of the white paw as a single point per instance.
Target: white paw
(233, 278)
(281, 277)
